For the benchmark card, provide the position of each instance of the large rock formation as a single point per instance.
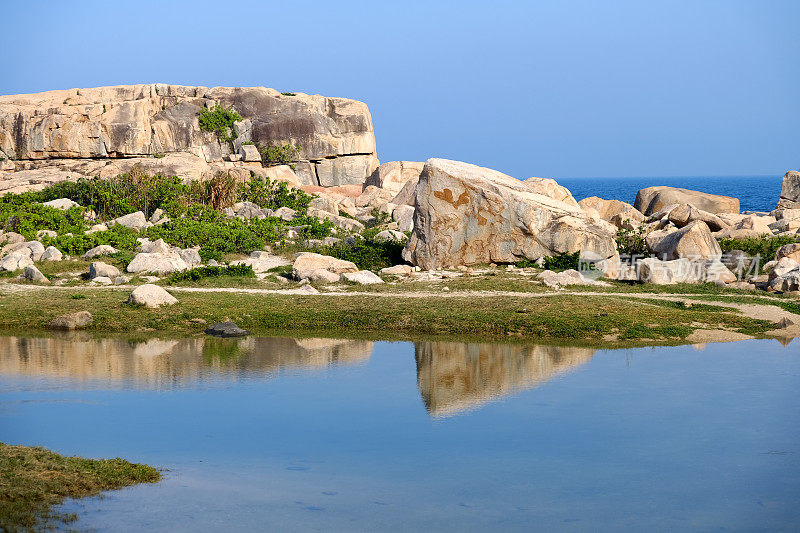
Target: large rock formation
(394, 175)
(790, 191)
(654, 199)
(105, 130)
(453, 377)
(466, 214)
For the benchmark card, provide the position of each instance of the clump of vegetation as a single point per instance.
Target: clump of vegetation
(111, 198)
(26, 218)
(218, 192)
(563, 261)
(525, 263)
(220, 121)
(765, 246)
(367, 253)
(289, 94)
(286, 154)
(270, 194)
(117, 236)
(32, 480)
(218, 236)
(196, 274)
(631, 241)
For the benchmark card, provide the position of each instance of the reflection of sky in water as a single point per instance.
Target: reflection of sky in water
(277, 433)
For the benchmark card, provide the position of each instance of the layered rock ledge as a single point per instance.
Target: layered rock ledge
(50, 136)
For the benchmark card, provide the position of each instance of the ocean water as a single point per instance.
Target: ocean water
(755, 193)
(280, 434)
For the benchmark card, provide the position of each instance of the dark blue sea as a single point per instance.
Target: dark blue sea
(755, 193)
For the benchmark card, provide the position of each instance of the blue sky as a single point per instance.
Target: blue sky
(558, 89)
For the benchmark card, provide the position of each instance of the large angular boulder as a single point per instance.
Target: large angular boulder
(693, 241)
(70, 321)
(151, 296)
(394, 175)
(612, 209)
(465, 214)
(99, 269)
(788, 250)
(31, 273)
(262, 261)
(306, 263)
(790, 191)
(654, 199)
(135, 220)
(15, 261)
(157, 263)
(657, 272)
(550, 188)
(61, 203)
(362, 277)
(684, 214)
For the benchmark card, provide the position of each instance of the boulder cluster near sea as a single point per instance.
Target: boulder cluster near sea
(451, 216)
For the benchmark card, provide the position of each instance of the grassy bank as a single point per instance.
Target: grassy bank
(581, 319)
(33, 480)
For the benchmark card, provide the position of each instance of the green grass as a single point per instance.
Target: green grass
(33, 480)
(571, 318)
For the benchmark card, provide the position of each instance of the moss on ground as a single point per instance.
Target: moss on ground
(583, 319)
(33, 480)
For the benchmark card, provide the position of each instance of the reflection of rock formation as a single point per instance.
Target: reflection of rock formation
(166, 363)
(454, 376)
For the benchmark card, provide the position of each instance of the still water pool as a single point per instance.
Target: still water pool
(305, 434)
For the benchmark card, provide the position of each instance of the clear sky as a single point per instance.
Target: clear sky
(557, 89)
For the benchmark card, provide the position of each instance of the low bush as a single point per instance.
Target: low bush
(367, 253)
(217, 237)
(126, 193)
(26, 218)
(270, 194)
(631, 241)
(314, 228)
(220, 121)
(196, 274)
(118, 236)
(763, 246)
(563, 261)
(285, 154)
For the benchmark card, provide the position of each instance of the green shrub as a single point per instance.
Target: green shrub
(217, 237)
(26, 218)
(563, 261)
(270, 194)
(118, 236)
(525, 263)
(219, 121)
(631, 241)
(199, 273)
(289, 94)
(285, 154)
(765, 246)
(368, 254)
(111, 198)
(314, 227)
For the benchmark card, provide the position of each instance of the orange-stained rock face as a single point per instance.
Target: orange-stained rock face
(465, 215)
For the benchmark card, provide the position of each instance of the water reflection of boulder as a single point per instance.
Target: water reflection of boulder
(161, 363)
(454, 377)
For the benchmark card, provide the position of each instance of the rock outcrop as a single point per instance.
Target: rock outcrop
(466, 214)
(790, 191)
(47, 137)
(654, 199)
(394, 175)
(612, 210)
